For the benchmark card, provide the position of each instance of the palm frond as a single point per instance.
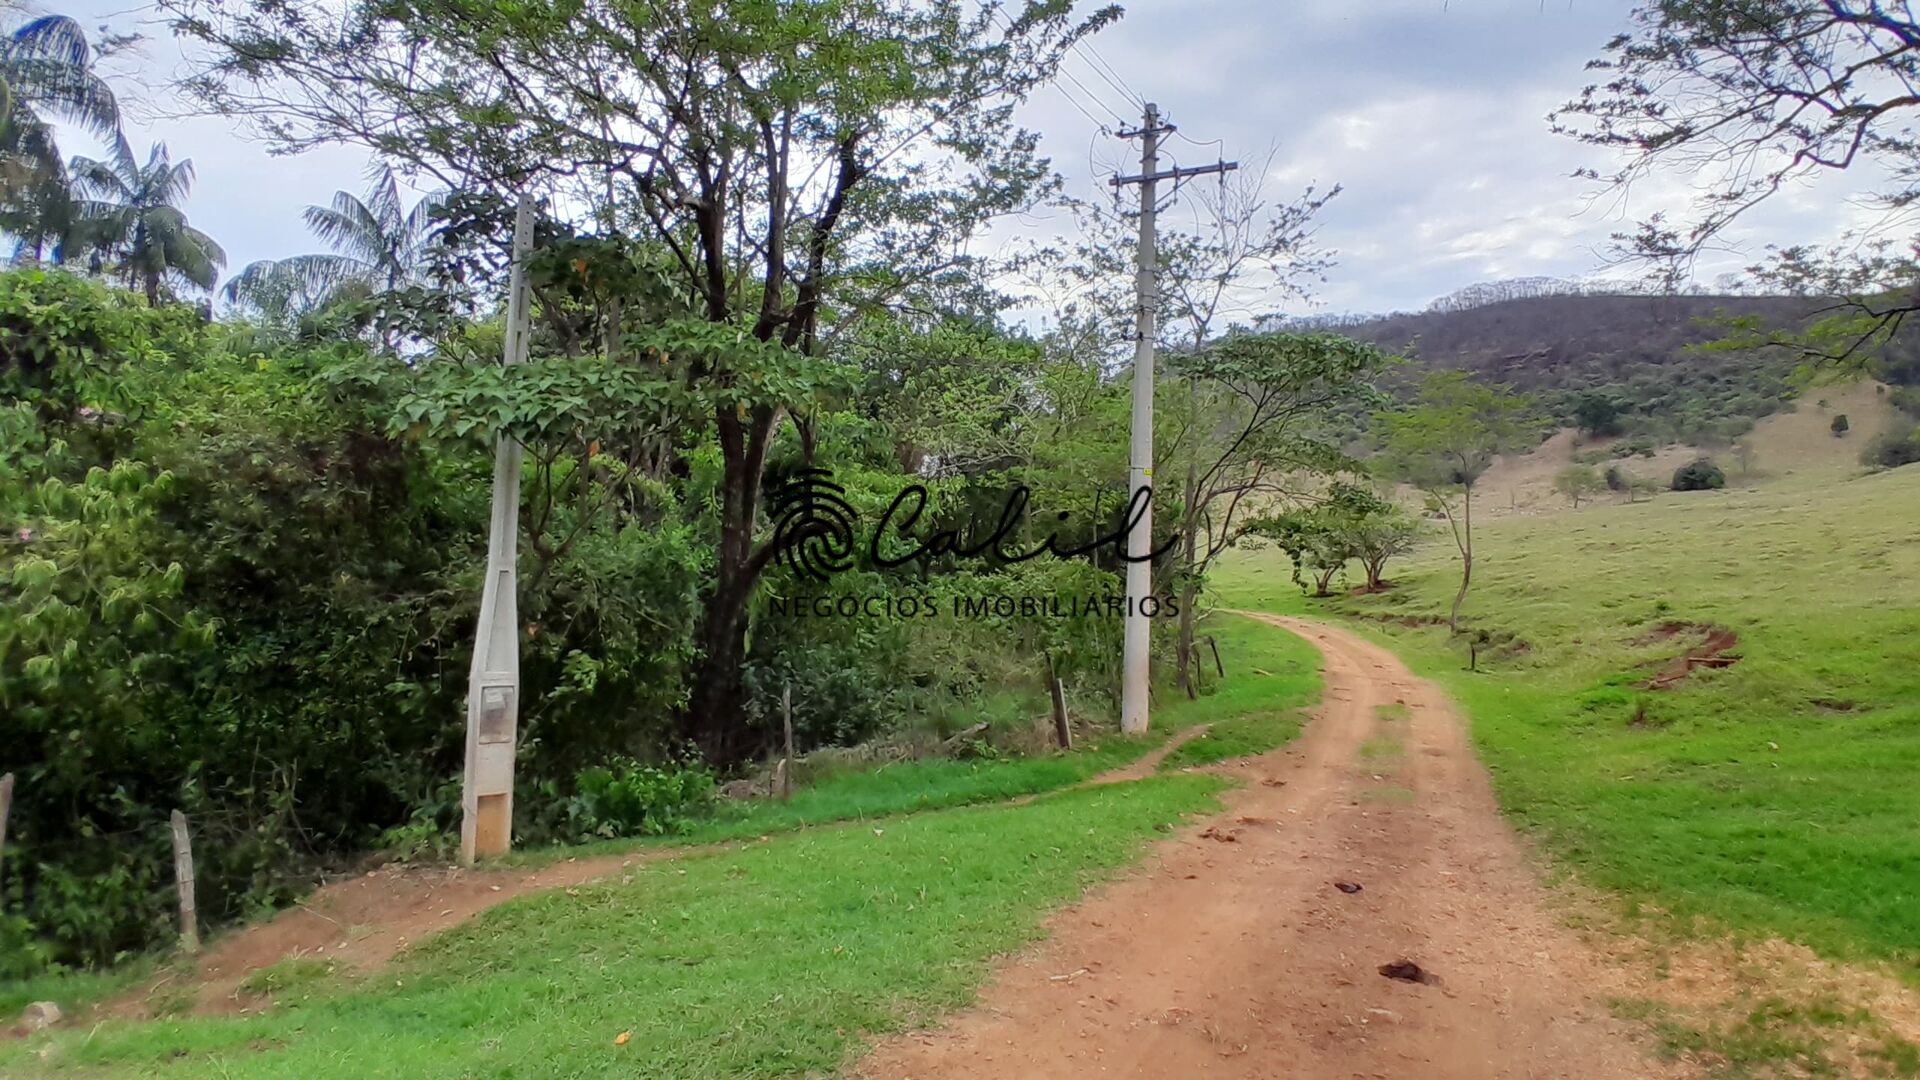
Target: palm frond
(349, 227)
(75, 94)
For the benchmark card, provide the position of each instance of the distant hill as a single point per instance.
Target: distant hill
(1633, 348)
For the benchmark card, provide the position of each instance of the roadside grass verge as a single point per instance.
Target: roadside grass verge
(1777, 796)
(772, 960)
(1272, 676)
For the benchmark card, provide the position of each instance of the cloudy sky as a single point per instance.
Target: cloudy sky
(1430, 114)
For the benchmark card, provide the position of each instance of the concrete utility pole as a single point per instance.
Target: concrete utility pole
(493, 682)
(1136, 648)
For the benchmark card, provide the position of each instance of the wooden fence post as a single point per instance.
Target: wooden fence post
(786, 721)
(1062, 727)
(183, 878)
(1217, 665)
(6, 806)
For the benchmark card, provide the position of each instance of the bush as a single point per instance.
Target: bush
(1839, 426)
(627, 798)
(1897, 446)
(1699, 475)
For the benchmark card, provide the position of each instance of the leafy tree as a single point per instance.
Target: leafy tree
(1753, 97)
(1250, 416)
(1347, 522)
(133, 217)
(1445, 441)
(1743, 456)
(1598, 414)
(46, 73)
(1244, 250)
(1382, 531)
(1578, 482)
(779, 183)
(1699, 475)
(1839, 426)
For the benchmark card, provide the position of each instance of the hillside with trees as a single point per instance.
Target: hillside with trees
(1610, 363)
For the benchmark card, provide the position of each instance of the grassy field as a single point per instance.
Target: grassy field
(1775, 796)
(872, 924)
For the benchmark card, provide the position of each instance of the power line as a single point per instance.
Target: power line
(1117, 114)
(1092, 58)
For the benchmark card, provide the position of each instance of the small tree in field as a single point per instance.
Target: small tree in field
(1743, 456)
(1839, 426)
(1578, 482)
(1386, 534)
(1445, 442)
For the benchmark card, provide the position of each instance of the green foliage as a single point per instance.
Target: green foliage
(627, 798)
(1455, 428)
(1578, 482)
(1700, 474)
(843, 931)
(1596, 413)
(1839, 426)
(1898, 445)
(1349, 523)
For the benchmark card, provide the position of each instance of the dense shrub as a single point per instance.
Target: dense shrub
(627, 798)
(1700, 474)
(1898, 445)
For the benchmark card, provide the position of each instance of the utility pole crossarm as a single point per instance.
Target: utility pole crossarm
(1177, 174)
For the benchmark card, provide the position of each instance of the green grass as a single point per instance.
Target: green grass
(1270, 674)
(772, 960)
(1258, 706)
(70, 989)
(1777, 796)
(883, 912)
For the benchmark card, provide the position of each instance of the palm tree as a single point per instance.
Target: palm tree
(130, 216)
(45, 68)
(378, 246)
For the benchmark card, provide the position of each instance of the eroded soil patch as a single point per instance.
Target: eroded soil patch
(1711, 651)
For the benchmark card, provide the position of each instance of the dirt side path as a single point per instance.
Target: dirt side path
(1232, 954)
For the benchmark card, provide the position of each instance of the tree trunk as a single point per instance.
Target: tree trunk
(1374, 567)
(1466, 562)
(1189, 594)
(715, 718)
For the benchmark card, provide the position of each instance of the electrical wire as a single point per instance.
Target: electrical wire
(1092, 58)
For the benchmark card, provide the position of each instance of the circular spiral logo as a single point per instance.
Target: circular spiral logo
(813, 524)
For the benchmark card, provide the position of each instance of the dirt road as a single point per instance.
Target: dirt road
(1232, 953)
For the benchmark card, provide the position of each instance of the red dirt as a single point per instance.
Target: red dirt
(1710, 652)
(1237, 959)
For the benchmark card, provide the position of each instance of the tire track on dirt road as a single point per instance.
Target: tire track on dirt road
(1230, 953)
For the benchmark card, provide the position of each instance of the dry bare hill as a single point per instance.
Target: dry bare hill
(1795, 443)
